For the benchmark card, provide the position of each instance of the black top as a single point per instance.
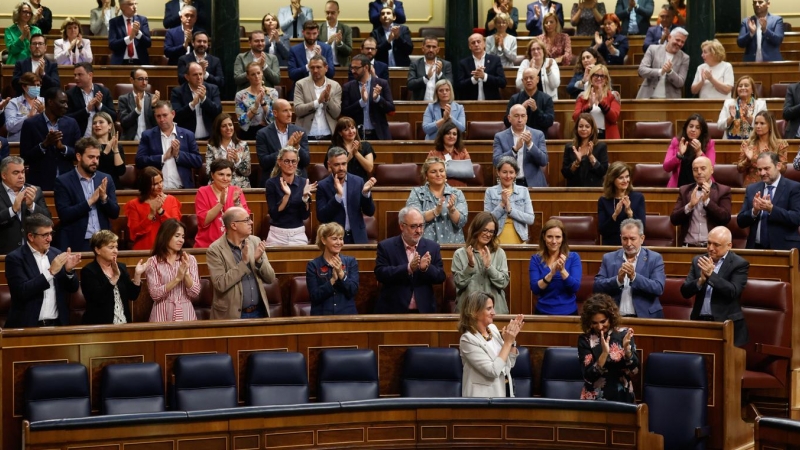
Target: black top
(99, 294)
(106, 164)
(587, 175)
(296, 210)
(686, 176)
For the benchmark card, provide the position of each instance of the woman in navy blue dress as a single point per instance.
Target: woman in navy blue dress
(332, 278)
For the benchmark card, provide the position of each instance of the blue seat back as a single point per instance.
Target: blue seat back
(432, 372)
(561, 373)
(522, 374)
(56, 391)
(131, 389)
(347, 374)
(204, 381)
(276, 378)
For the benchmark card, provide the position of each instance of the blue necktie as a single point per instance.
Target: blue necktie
(764, 234)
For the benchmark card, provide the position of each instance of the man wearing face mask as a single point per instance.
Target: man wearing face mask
(38, 64)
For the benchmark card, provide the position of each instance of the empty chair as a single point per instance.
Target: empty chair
(432, 372)
(554, 131)
(779, 90)
(738, 235)
(479, 130)
(276, 378)
(728, 175)
(660, 232)
(274, 298)
(767, 308)
(202, 304)
(189, 222)
(77, 307)
(128, 180)
(346, 375)
(522, 374)
(715, 132)
(674, 305)
(431, 31)
(397, 175)
(131, 388)
(56, 391)
(561, 373)
(780, 127)
(676, 393)
(371, 226)
(298, 295)
(653, 130)
(650, 175)
(316, 172)
(581, 230)
(204, 381)
(400, 131)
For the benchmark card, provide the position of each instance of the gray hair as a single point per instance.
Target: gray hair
(36, 221)
(189, 8)
(679, 30)
(229, 216)
(10, 160)
(401, 216)
(335, 151)
(511, 161)
(629, 222)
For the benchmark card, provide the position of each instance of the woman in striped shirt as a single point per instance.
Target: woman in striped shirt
(172, 276)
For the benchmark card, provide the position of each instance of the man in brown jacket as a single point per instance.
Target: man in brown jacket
(701, 206)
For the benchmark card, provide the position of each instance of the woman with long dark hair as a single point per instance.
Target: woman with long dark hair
(585, 158)
(224, 144)
(555, 272)
(693, 142)
(172, 278)
(618, 202)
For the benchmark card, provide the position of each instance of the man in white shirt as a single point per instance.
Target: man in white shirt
(86, 99)
(761, 34)
(336, 34)
(196, 103)
(423, 73)
(480, 75)
(136, 107)
(129, 36)
(317, 101)
(701, 206)
(664, 68)
(18, 200)
(526, 145)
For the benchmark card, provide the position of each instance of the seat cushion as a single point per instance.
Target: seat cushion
(131, 389)
(432, 372)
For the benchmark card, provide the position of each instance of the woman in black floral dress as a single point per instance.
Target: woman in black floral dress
(607, 353)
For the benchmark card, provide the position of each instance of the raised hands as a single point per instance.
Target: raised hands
(706, 266)
(295, 139)
(627, 268)
(425, 261)
(141, 268)
(66, 260)
(510, 331)
(285, 187)
(762, 203)
(376, 92)
(666, 67)
(368, 185)
(478, 73)
(310, 188)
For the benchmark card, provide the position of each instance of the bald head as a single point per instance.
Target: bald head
(477, 45)
(530, 80)
(702, 169)
(232, 214)
(719, 242)
(282, 110)
(518, 117)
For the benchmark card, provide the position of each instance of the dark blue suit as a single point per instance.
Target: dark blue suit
(381, 71)
(172, 14)
(375, 8)
(73, 210)
(645, 287)
(391, 270)
(621, 44)
(782, 222)
(331, 210)
(118, 30)
(535, 26)
(641, 14)
(332, 299)
(185, 115)
(401, 47)
(150, 153)
(214, 69)
(46, 165)
(27, 285)
(351, 107)
(173, 44)
(298, 61)
(496, 78)
(771, 40)
(653, 36)
(77, 105)
(49, 80)
(268, 145)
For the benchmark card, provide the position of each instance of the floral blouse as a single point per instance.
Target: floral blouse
(441, 229)
(561, 45)
(741, 129)
(612, 381)
(241, 165)
(245, 100)
(749, 168)
(587, 26)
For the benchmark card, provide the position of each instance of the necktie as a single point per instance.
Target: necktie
(764, 218)
(413, 303)
(130, 46)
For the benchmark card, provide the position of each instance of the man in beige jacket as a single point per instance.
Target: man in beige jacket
(237, 265)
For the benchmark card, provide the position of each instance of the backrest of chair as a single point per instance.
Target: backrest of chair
(653, 130)
(780, 127)
(431, 372)
(738, 235)
(767, 308)
(522, 374)
(581, 230)
(397, 175)
(276, 378)
(356, 32)
(274, 298)
(675, 306)
(676, 393)
(561, 373)
(400, 131)
(189, 222)
(316, 172)
(347, 374)
(298, 295)
(728, 174)
(56, 391)
(204, 381)
(128, 179)
(650, 175)
(437, 32)
(202, 304)
(554, 131)
(659, 231)
(715, 132)
(477, 178)
(77, 307)
(371, 226)
(792, 174)
(131, 388)
(483, 130)
(778, 90)
(450, 294)
(5, 304)
(158, 31)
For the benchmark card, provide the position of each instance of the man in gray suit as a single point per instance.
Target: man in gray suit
(280, 133)
(18, 200)
(664, 68)
(317, 101)
(136, 107)
(336, 34)
(424, 73)
(269, 63)
(526, 145)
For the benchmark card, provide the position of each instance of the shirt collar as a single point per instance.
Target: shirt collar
(6, 188)
(173, 132)
(775, 183)
(35, 252)
(81, 177)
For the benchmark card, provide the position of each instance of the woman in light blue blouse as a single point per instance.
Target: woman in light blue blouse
(509, 204)
(443, 206)
(442, 109)
(254, 104)
(555, 272)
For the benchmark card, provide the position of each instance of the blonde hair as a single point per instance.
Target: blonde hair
(67, 23)
(276, 170)
(427, 165)
(552, 16)
(715, 48)
(327, 230)
(472, 305)
(607, 87)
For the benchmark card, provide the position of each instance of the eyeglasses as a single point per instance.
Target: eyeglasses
(44, 235)
(598, 75)
(289, 162)
(38, 44)
(355, 68)
(28, 12)
(488, 231)
(243, 220)
(142, 79)
(415, 226)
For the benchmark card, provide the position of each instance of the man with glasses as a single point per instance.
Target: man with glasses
(408, 266)
(280, 133)
(40, 277)
(129, 36)
(38, 64)
(237, 264)
(369, 47)
(136, 107)
(336, 34)
(18, 200)
(367, 100)
(761, 34)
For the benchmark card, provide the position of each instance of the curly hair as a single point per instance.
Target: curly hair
(599, 304)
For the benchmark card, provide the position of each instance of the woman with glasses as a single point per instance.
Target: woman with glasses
(213, 200)
(443, 108)
(599, 101)
(509, 203)
(172, 279)
(27, 105)
(555, 272)
(224, 144)
(501, 43)
(360, 155)
(480, 265)
(153, 207)
(546, 67)
(288, 200)
(332, 278)
(18, 35)
(618, 202)
(443, 207)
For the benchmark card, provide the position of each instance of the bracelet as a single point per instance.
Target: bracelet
(544, 279)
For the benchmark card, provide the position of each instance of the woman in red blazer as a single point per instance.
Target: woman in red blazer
(601, 102)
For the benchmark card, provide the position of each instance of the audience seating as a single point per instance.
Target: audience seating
(555, 131)
(484, 131)
(356, 32)
(204, 381)
(397, 175)
(432, 372)
(653, 130)
(738, 235)
(276, 378)
(274, 298)
(449, 300)
(189, 222)
(767, 308)
(581, 230)
(431, 31)
(522, 374)
(477, 178)
(298, 295)
(779, 90)
(776, 433)
(128, 180)
(780, 128)
(56, 391)
(659, 231)
(347, 375)
(561, 373)
(120, 227)
(371, 225)
(675, 307)
(792, 174)
(5, 304)
(400, 131)
(728, 175)
(77, 306)
(158, 32)
(650, 175)
(202, 304)
(131, 389)
(121, 89)
(714, 132)
(676, 393)
(317, 172)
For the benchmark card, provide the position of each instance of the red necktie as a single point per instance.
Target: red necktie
(130, 46)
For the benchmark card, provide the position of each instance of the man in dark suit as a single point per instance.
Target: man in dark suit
(424, 73)
(169, 148)
(212, 67)
(280, 133)
(196, 103)
(376, 6)
(538, 105)
(40, 277)
(526, 145)
(701, 206)
(47, 141)
(367, 100)
(633, 275)
(537, 10)
(394, 41)
(344, 198)
(407, 267)
(767, 47)
(658, 34)
(634, 15)
(129, 36)
(299, 54)
(369, 47)
(86, 199)
(172, 13)
(18, 200)
(771, 208)
(480, 76)
(86, 99)
(716, 281)
(791, 112)
(38, 64)
(178, 40)
(136, 107)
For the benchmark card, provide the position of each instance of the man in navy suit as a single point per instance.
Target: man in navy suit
(212, 67)
(46, 69)
(367, 100)
(178, 40)
(634, 15)
(761, 34)
(536, 12)
(526, 145)
(394, 40)
(344, 198)
(86, 199)
(480, 76)
(47, 141)
(376, 6)
(169, 148)
(300, 53)
(280, 133)
(407, 267)
(40, 277)
(86, 99)
(633, 276)
(196, 103)
(658, 33)
(172, 13)
(771, 208)
(369, 48)
(129, 36)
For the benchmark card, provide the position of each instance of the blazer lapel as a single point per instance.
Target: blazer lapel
(27, 255)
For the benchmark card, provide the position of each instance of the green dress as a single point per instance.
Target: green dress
(18, 49)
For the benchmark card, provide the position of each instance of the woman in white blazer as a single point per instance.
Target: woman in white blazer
(487, 353)
(72, 48)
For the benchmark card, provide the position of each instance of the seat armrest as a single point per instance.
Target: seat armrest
(702, 432)
(774, 350)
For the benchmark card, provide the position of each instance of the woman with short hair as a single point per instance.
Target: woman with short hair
(509, 203)
(443, 207)
(714, 78)
(332, 278)
(443, 108)
(288, 200)
(72, 48)
(213, 200)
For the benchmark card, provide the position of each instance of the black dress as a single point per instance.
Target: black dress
(99, 294)
(106, 164)
(587, 175)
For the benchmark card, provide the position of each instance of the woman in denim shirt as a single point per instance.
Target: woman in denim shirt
(443, 207)
(509, 204)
